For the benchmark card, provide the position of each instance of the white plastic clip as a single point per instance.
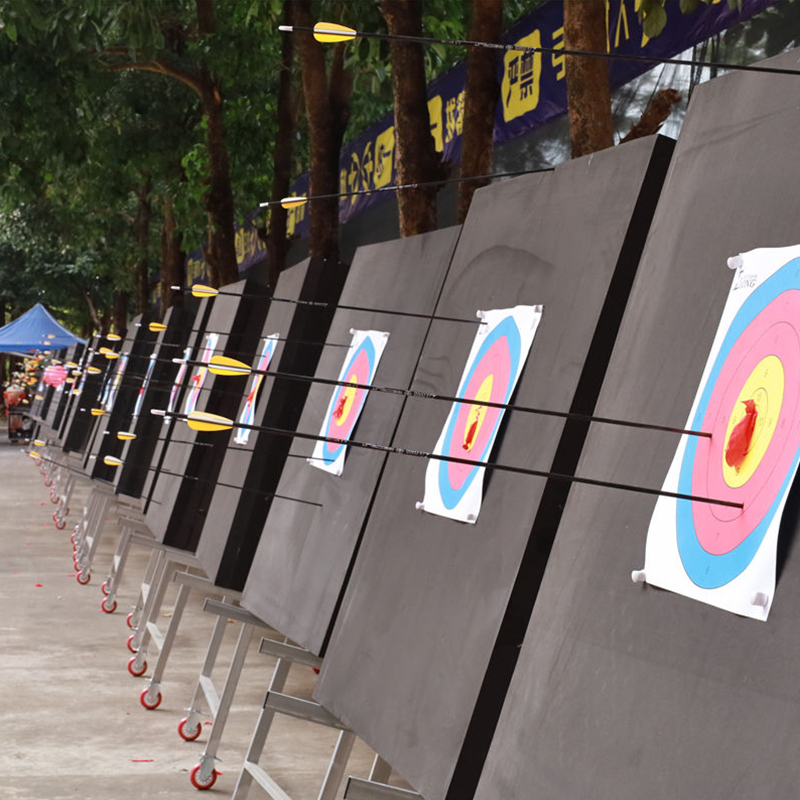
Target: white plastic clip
(638, 576)
(481, 315)
(759, 599)
(353, 331)
(735, 262)
(419, 505)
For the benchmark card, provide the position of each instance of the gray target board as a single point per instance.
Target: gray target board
(625, 691)
(154, 392)
(420, 655)
(119, 397)
(190, 464)
(59, 405)
(214, 535)
(312, 530)
(239, 516)
(79, 422)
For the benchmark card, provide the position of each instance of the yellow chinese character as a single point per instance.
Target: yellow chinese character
(435, 114)
(558, 61)
(522, 74)
(460, 113)
(352, 176)
(367, 167)
(240, 245)
(450, 119)
(384, 152)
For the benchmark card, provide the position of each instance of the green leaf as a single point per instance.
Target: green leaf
(655, 21)
(689, 6)
(11, 31)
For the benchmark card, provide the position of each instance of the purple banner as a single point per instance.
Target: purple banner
(532, 93)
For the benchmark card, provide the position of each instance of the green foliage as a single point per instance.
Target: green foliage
(653, 16)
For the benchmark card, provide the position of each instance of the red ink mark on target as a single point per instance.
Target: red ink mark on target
(742, 436)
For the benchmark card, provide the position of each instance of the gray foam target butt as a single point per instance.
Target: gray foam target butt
(622, 690)
(419, 657)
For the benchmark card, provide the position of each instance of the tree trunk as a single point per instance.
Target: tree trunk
(141, 234)
(480, 100)
(591, 126)
(277, 243)
(416, 158)
(219, 198)
(120, 314)
(173, 259)
(327, 109)
(96, 321)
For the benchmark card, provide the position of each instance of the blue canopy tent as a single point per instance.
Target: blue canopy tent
(36, 329)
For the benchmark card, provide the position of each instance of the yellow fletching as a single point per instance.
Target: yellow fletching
(72, 380)
(105, 350)
(40, 443)
(97, 412)
(111, 356)
(199, 290)
(329, 32)
(154, 327)
(222, 365)
(38, 397)
(71, 365)
(203, 421)
(113, 337)
(112, 461)
(125, 436)
(34, 454)
(293, 202)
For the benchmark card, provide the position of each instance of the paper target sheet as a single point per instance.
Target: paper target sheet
(347, 402)
(748, 399)
(498, 354)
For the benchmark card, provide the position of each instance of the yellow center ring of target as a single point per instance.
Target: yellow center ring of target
(346, 402)
(765, 387)
(477, 413)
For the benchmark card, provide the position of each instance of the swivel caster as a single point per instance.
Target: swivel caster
(129, 644)
(188, 734)
(108, 606)
(132, 620)
(137, 672)
(200, 781)
(60, 524)
(148, 701)
(83, 577)
(104, 588)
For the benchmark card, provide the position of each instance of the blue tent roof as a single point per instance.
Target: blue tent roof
(36, 329)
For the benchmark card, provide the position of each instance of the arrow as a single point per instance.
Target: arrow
(201, 290)
(213, 422)
(296, 202)
(220, 365)
(331, 32)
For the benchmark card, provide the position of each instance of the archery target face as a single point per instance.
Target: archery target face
(347, 401)
(145, 383)
(499, 351)
(723, 555)
(199, 378)
(247, 415)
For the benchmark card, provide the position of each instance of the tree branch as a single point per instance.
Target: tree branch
(158, 67)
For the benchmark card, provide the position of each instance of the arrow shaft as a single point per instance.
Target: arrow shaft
(385, 448)
(557, 51)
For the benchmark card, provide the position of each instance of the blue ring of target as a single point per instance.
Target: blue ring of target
(704, 569)
(330, 455)
(506, 329)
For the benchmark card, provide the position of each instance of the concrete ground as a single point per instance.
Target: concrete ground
(72, 724)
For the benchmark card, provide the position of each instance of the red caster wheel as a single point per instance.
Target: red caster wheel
(55, 516)
(66, 511)
(137, 673)
(191, 734)
(72, 539)
(147, 702)
(60, 524)
(198, 783)
(83, 577)
(48, 482)
(104, 588)
(129, 644)
(108, 608)
(129, 620)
